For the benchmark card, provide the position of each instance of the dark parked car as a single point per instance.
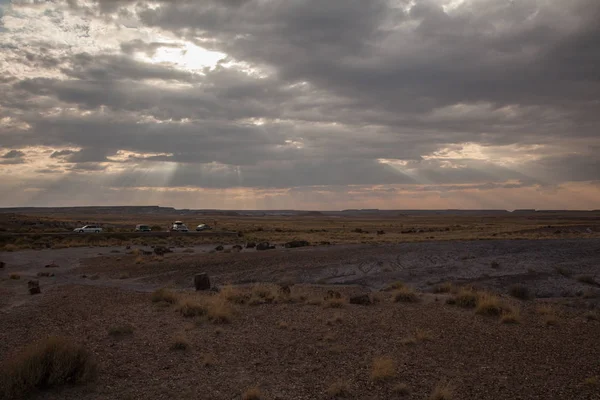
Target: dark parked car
(142, 228)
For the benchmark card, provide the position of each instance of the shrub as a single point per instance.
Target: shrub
(382, 368)
(190, 308)
(252, 393)
(495, 264)
(401, 389)
(465, 298)
(549, 314)
(338, 389)
(564, 272)
(219, 311)
(120, 330)
(335, 303)
(406, 294)
(488, 304)
(48, 363)
(442, 391)
(15, 276)
(422, 335)
(512, 316)
(180, 343)
(520, 292)
(234, 295)
(164, 295)
(394, 286)
(592, 381)
(591, 316)
(446, 287)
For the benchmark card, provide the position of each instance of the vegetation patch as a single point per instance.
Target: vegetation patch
(382, 368)
(165, 295)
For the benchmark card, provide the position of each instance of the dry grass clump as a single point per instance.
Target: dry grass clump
(191, 308)
(549, 313)
(512, 316)
(420, 335)
(382, 368)
(338, 389)
(10, 247)
(587, 279)
(465, 297)
(121, 330)
(283, 325)
(394, 286)
(488, 304)
(252, 393)
(442, 391)
(520, 292)
(401, 389)
(139, 259)
(48, 363)
(234, 295)
(219, 311)
(336, 319)
(406, 294)
(564, 272)
(15, 276)
(592, 381)
(335, 302)
(180, 343)
(591, 316)
(446, 287)
(208, 360)
(164, 295)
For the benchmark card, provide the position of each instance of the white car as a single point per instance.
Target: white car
(179, 226)
(88, 229)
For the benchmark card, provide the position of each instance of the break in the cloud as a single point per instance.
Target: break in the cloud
(304, 104)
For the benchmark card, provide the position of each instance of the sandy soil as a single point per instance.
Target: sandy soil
(296, 351)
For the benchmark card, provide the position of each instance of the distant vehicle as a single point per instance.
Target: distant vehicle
(179, 226)
(88, 229)
(142, 228)
(203, 227)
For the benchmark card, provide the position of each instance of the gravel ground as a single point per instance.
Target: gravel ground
(296, 351)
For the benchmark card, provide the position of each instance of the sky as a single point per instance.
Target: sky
(305, 104)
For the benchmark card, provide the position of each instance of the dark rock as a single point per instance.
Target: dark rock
(41, 274)
(161, 250)
(250, 245)
(146, 253)
(52, 265)
(285, 290)
(33, 283)
(362, 299)
(202, 281)
(2, 264)
(127, 247)
(297, 243)
(263, 246)
(35, 290)
(219, 248)
(380, 232)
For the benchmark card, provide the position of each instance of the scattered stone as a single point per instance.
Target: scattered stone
(2, 264)
(296, 243)
(219, 248)
(34, 287)
(285, 290)
(201, 281)
(362, 299)
(46, 274)
(128, 247)
(161, 250)
(380, 232)
(237, 248)
(263, 246)
(250, 245)
(83, 276)
(146, 253)
(51, 265)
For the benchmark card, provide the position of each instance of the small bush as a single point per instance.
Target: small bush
(338, 389)
(488, 304)
(591, 316)
(406, 295)
(549, 314)
(190, 308)
(335, 303)
(422, 335)
(401, 389)
(15, 276)
(382, 368)
(219, 311)
(511, 317)
(592, 381)
(252, 393)
(564, 272)
(466, 298)
(180, 343)
(442, 391)
(520, 292)
(283, 325)
(446, 287)
(208, 360)
(394, 286)
(165, 295)
(48, 363)
(495, 264)
(121, 330)
(587, 279)
(234, 295)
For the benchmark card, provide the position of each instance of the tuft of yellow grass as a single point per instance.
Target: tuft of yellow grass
(382, 368)
(165, 295)
(180, 342)
(406, 294)
(335, 303)
(234, 294)
(512, 316)
(252, 393)
(401, 389)
(338, 389)
(283, 325)
(422, 335)
(442, 391)
(394, 286)
(488, 304)
(592, 381)
(549, 313)
(48, 363)
(446, 287)
(465, 297)
(219, 311)
(191, 308)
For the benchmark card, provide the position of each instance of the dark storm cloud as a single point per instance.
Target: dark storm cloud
(338, 86)
(13, 154)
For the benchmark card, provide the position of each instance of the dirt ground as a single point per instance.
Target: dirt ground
(298, 350)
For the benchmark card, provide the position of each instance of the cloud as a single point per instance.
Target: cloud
(468, 97)
(13, 154)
